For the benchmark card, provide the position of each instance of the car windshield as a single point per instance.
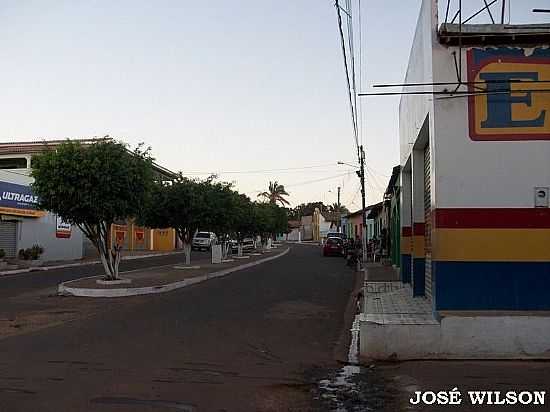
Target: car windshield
(334, 241)
(203, 234)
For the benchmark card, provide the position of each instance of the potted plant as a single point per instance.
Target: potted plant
(34, 253)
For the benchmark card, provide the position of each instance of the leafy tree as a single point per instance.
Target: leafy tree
(337, 209)
(306, 209)
(244, 223)
(92, 186)
(270, 220)
(181, 204)
(275, 194)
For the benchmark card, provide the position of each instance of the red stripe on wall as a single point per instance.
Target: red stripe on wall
(406, 231)
(489, 218)
(418, 229)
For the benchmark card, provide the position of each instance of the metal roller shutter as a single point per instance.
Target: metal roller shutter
(427, 223)
(8, 237)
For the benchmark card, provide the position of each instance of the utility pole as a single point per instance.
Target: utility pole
(339, 212)
(361, 174)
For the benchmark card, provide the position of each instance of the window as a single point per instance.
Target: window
(13, 163)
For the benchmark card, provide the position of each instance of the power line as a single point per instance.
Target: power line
(319, 180)
(361, 116)
(352, 56)
(343, 43)
(377, 172)
(287, 169)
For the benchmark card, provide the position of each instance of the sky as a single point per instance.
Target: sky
(252, 90)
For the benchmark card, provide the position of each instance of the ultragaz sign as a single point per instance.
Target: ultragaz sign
(510, 94)
(18, 200)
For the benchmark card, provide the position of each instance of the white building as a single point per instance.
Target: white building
(475, 159)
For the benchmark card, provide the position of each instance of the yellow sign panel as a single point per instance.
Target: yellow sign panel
(22, 212)
(510, 99)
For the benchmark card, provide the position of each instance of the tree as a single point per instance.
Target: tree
(180, 204)
(270, 219)
(244, 223)
(92, 186)
(275, 194)
(306, 209)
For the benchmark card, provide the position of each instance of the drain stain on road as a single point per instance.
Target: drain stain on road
(180, 406)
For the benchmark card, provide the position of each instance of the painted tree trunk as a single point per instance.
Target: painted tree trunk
(187, 251)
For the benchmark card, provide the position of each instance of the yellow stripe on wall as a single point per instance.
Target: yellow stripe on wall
(406, 245)
(491, 245)
(418, 246)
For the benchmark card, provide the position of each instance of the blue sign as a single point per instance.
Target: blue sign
(17, 196)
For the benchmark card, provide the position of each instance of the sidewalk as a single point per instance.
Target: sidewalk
(165, 279)
(24, 266)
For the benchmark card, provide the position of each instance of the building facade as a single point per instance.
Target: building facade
(473, 193)
(474, 167)
(22, 225)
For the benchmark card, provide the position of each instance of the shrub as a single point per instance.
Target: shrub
(35, 251)
(2, 254)
(24, 254)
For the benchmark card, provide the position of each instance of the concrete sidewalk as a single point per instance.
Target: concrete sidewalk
(52, 265)
(164, 279)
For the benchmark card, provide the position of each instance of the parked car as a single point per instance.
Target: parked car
(203, 240)
(248, 244)
(333, 246)
(339, 235)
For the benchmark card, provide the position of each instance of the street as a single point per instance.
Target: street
(257, 340)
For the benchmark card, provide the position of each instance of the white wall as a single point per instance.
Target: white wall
(413, 109)
(464, 173)
(476, 173)
(41, 230)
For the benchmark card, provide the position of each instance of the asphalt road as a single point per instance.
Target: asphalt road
(13, 285)
(257, 340)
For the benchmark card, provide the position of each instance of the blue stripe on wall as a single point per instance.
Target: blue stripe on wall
(406, 268)
(419, 277)
(492, 285)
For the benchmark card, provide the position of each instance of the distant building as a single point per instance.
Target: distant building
(354, 224)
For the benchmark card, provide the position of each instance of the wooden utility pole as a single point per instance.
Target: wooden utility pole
(363, 202)
(339, 215)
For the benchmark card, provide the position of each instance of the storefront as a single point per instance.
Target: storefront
(22, 225)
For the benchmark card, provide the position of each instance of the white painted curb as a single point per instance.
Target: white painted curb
(91, 262)
(115, 293)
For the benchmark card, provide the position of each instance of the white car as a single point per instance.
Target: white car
(203, 240)
(248, 244)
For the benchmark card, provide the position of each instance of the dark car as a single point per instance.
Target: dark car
(333, 246)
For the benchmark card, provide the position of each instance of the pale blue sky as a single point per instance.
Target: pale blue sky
(211, 86)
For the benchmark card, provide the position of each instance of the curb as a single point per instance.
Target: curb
(123, 292)
(91, 262)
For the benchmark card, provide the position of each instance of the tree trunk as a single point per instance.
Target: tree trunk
(187, 250)
(110, 256)
(185, 237)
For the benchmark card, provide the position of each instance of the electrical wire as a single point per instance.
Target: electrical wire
(287, 169)
(361, 115)
(319, 180)
(343, 44)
